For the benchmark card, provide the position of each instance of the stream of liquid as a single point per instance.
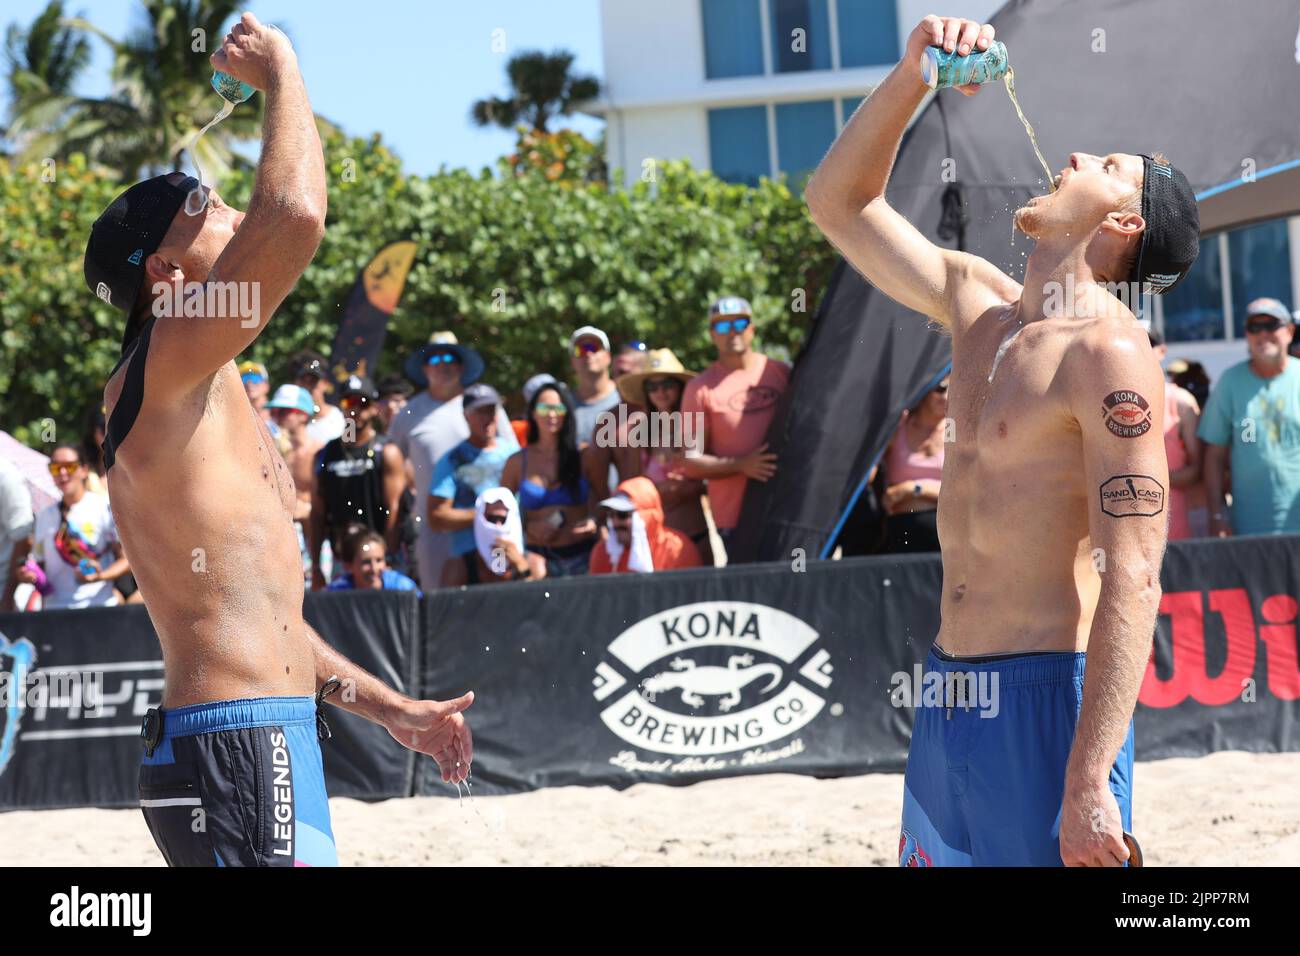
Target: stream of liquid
(1009, 80)
(198, 199)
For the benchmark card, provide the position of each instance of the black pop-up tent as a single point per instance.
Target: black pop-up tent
(1213, 85)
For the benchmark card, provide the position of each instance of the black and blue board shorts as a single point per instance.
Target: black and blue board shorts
(237, 783)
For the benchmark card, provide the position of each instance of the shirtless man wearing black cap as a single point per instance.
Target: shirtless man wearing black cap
(1052, 515)
(204, 503)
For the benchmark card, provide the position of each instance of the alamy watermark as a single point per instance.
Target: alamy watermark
(681, 430)
(218, 300)
(78, 689)
(961, 689)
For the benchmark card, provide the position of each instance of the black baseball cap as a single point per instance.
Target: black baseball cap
(479, 395)
(1172, 237)
(358, 385)
(129, 231)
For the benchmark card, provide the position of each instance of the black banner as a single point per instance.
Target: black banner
(677, 677)
(669, 678)
(75, 686)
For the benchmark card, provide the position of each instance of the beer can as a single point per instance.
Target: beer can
(941, 69)
(231, 89)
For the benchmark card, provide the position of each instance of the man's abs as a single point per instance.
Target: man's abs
(203, 503)
(1018, 573)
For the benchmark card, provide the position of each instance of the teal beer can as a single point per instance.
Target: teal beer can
(941, 69)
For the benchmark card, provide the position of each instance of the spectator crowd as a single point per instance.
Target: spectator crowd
(635, 465)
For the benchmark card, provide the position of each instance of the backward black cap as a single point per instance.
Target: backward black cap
(126, 233)
(1172, 237)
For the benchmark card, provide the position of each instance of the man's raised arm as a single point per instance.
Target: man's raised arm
(846, 195)
(285, 219)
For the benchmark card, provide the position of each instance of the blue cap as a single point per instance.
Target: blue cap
(295, 397)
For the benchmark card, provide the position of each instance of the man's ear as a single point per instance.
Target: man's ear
(157, 268)
(1125, 223)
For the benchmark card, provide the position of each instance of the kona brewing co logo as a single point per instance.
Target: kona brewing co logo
(712, 678)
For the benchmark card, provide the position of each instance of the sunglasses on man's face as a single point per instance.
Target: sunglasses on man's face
(618, 517)
(586, 348)
(655, 385)
(546, 408)
(1264, 325)
(63, 467)
(495, 519)
(727, 326)
(349, 402)
(441, 358)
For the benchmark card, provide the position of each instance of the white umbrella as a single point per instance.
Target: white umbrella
(35, 469)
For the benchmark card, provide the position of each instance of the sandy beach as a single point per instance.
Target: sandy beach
(1226, 809)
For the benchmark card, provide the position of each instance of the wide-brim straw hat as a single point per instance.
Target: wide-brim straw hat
(659, 363)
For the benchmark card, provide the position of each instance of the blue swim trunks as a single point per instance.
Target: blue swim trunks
(237, 783)
(987, 790)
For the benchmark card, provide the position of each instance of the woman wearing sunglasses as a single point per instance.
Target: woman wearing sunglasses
(76, 553)
(913, 468)
(551, 478)
(658, 388)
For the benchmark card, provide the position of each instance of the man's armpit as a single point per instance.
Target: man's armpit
(1132, 496)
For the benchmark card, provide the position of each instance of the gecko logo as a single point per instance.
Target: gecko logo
(712, 678)
(16, 660)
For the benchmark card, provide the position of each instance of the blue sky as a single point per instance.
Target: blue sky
(407, 68)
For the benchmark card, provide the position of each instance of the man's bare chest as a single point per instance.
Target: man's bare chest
(1005, 401)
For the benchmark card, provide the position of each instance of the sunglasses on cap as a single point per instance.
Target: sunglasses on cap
(727, 326)
(1264, 325)
(587, 348)
(635, 344)
(439, 358)
(656, 384)
(547, 408)
(63, 467)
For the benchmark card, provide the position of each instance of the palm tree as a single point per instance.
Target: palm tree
(541, 88)
(160, 97)
(43, 61)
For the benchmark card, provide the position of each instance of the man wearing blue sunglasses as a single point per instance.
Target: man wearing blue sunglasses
(736, 398)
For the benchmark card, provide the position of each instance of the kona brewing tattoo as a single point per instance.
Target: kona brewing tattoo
(1126, 413)
(1132, 496)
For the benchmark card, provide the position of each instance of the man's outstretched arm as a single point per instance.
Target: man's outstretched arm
(436, 728)
(846, 195)
(1117, 399)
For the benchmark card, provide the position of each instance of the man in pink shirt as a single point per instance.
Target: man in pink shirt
(737, 395)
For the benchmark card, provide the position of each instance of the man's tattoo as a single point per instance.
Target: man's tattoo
(1127, 414)
(1132, 496)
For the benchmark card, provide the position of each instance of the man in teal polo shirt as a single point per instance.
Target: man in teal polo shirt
(1252, 419)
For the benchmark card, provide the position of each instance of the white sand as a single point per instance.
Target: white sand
(1227, 809)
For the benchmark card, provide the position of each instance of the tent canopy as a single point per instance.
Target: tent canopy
(1213, 86)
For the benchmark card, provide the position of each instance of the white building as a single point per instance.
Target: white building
(746, 88)
(752, 88)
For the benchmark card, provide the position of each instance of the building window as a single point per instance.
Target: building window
(868, 31)
(733, 38)
(804, 131)
(801, 35)
(1193, 312)
(738, 144)
(1259, 261)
